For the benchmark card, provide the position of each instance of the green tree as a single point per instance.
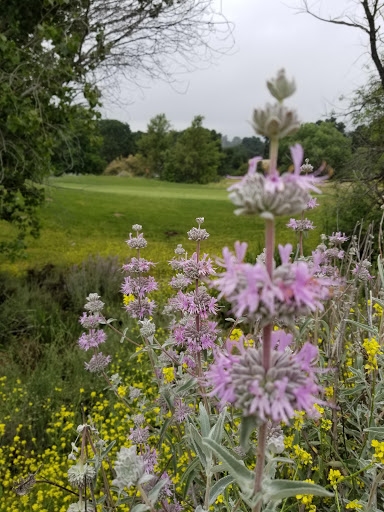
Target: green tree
(52, 52)
(321, 142)
(195, 157)
(118, 139)
(154, 144)
(79, 149)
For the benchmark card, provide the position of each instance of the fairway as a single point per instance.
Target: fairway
(86, 215)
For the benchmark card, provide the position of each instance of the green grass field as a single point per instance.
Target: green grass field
(86, 215)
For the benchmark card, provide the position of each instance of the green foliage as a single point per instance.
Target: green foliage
(78, 148)
(118, 140)
(154, 144)
(321, 142)
(195, 157)
(36, 102)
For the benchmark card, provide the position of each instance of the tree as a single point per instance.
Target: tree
(366, 16)
(53, 53)
(195, 157)
(154, 144)
(117, 139)
(321, 142)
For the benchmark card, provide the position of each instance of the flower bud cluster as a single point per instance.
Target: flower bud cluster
(292, 291)
(300, 225)
(289, 385)
(94, 337)
(136, 284)
(275, 121)
(273, 195)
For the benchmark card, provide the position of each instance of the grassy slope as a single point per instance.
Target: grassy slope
(93, 215)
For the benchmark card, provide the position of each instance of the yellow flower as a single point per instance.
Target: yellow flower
(335, 476)
(169, 374)
(353, 505)
(379, 450)
(373, 349)
(127, 299)
(236, 334)
(220, 499)
(302, 455)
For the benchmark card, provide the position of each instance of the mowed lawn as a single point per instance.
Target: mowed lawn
(89, 215)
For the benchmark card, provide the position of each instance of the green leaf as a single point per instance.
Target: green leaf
(191, 468)
(163, 430)
(140, 508)
(108, 449)
(197, 441)
(154, 493)
(248, 425)
(217, 431)
(379, 431)
(373, 330)
(204, 420)
(219, 488)
(186, 386)
(242, 475)
(280, 489)
(381, 272)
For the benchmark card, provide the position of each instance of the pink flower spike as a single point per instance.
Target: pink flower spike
(240, 249)
(253, 164)
(297, 153)
(285, 251)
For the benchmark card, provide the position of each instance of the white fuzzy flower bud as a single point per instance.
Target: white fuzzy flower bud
(81, 475)
(137, 227)
(275, 121)
(280, 87)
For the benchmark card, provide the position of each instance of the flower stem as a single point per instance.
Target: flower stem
(267, 334)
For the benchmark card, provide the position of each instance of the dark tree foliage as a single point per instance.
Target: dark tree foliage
(117, 139)
(236, 156)
(195, 157)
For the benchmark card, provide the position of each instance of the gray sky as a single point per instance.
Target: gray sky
(327, 61)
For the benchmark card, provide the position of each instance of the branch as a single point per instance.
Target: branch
(335, 21)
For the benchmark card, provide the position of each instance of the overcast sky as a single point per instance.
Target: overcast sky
(327, 61)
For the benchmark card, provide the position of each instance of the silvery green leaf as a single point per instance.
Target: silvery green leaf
(140, 508)
(101, 500)
(378, 431)
(190, 469)
(243, 476)
(200, 509)
(217, 431)
(110, 320)
(277, 490)
(124, 333)
(154, 493)
(164, 429)
(230, 320)
(186, 386)
(204, 420)
(219, 488)
(367, 328)
(108, 449)
(248, 425)
(197, 441)
(381, 272)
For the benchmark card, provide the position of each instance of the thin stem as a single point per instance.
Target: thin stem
(145, 498)
(261, 445)
(45, 481)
